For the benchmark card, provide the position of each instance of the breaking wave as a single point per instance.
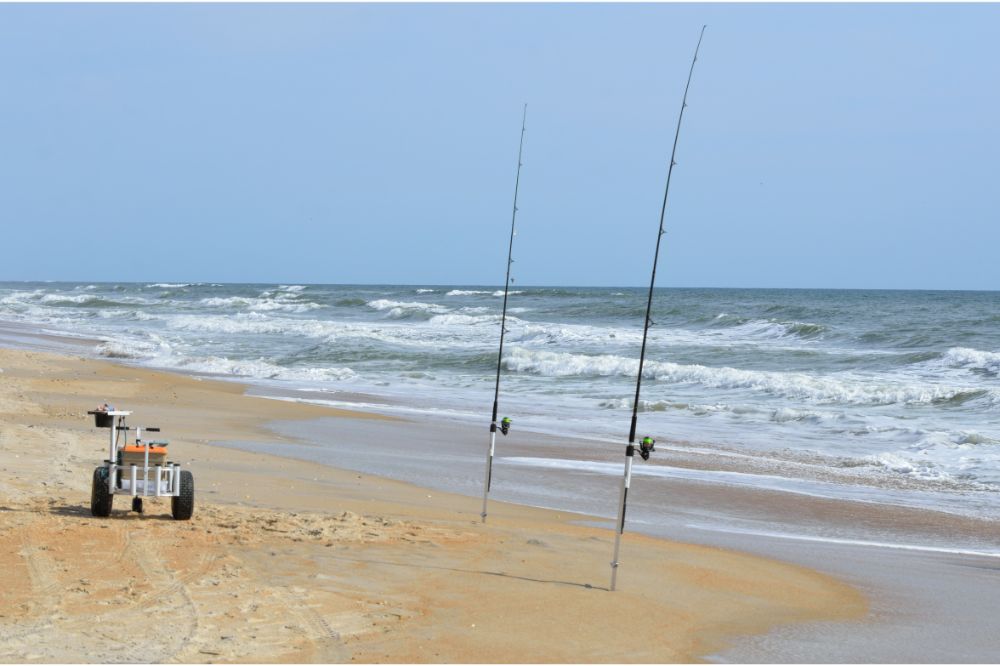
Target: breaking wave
(159, 351)
(262, 369)
(799, 386)
(262, 304)
(466, 320)
(983, 362)
(768, 328)
(401, 310)
(465, 292)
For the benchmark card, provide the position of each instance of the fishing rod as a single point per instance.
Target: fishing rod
(646, 446)
(505, 422)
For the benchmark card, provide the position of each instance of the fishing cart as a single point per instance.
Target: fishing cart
(139, 469)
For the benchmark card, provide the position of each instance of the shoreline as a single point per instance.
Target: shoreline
(690, 458)
(524, 571)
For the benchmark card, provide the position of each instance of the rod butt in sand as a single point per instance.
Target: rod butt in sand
(489, 468)
(622, 502)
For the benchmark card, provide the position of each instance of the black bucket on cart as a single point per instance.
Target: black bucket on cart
(102, 419)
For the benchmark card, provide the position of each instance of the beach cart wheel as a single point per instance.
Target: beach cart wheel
(182, 506)
(137, 504)
(100, 498)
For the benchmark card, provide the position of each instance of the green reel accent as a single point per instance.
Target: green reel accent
(646, 446)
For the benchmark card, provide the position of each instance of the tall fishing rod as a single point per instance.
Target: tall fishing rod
(647, 443)
(505, 422)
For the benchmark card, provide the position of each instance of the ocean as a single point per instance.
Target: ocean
(878, 396)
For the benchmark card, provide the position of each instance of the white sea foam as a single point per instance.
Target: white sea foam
(92, 299)
(465, 292)
(791, 414)
(973, 359)
(264, 304)
(426, 291)
(68, 298)
(261, 369)
(972, 438)
(644, 405)
(425, 335)
(169, 285)
(465, 320)
(810, 388)
(533, 333)
(900, 465)
(252, 323)
(149, 346)
(400, 309)
(21, 297)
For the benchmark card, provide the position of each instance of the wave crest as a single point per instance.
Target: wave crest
(262, 369)
(983, 362)
(815, 389)
(262, 304)
(465, 292)
(402, 309)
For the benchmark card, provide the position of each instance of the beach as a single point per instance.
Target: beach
(292, 561)
(296, 247)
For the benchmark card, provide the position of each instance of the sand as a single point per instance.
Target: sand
(292, 561)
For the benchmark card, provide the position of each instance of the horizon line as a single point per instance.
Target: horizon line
(494, 286)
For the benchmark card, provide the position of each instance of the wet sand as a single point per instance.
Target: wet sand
(932, 576)
(293, 561)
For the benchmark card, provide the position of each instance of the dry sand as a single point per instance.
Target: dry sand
(288, 561)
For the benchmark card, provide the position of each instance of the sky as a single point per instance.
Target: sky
(824, 146)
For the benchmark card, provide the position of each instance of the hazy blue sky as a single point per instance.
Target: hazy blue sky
(824, 146)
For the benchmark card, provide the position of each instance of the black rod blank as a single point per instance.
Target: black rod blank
(630, 447)
(503, 326)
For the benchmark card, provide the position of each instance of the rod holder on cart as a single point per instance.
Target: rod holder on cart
(139, 469)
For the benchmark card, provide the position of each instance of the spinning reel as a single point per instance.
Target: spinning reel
(505, 425)
(646, 446)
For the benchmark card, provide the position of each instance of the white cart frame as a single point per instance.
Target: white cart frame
(138, 480)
